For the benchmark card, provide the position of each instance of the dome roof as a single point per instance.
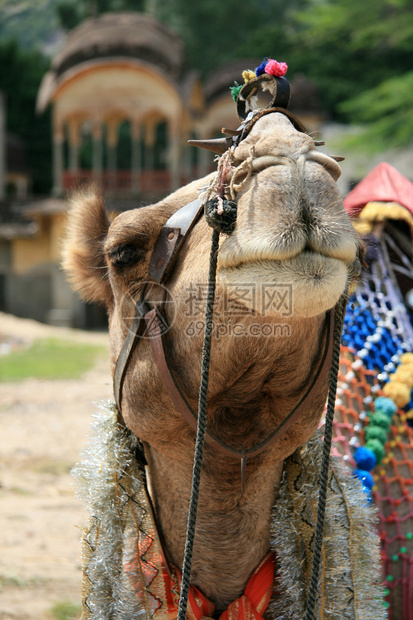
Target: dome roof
(129, 34)
(115, 35)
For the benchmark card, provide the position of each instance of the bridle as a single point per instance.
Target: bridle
(152, 322)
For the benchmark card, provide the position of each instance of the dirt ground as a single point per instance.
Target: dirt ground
(43, 426)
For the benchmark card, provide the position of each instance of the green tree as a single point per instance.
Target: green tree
(361, 56)
(71, 13)
(216, 32)
(21, 72)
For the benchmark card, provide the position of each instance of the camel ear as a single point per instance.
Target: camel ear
(83, 251)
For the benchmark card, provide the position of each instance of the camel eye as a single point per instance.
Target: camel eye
(126, 256)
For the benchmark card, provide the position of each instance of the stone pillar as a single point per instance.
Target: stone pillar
(112, 142)
(136, 156)
(97, 152)
(74, 143)
(149, 145)
(58, 165)
(174, 154)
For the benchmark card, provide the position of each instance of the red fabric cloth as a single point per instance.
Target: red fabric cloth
(383, 184)
(250, 606)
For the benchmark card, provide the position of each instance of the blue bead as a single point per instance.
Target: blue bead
(365, 458)
(365, 477)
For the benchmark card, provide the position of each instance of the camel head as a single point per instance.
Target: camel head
(289, 259)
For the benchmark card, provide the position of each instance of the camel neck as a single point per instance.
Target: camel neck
(230, 525)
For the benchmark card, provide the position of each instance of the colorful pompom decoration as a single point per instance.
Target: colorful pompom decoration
(248, 75)
(399, 392)
(268, 66)
(261, 68)
(273, 67)
(400, 384)
(235, 90)
(365, 477)
(366, 457)
(386, 406)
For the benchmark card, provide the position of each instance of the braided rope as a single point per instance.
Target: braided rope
(200, 439)
(328, 433)
(201, 428)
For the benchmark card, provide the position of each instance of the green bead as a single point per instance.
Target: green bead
(409, 536)
(380, 419)
(377, 447)
(403, 550)
(386, 591)
(389, 578)
(394, 557)
(376, 432)
(386, 604)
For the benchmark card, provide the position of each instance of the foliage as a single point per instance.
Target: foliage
(388, 110)
(71, 13)
(66, 611)
(33, 23)
(216, 32)
(21, 72)
(361, 54)
(49, 359)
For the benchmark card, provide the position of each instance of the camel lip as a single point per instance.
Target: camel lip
(307, 252)
(312, 283)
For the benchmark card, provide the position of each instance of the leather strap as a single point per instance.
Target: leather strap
(166, 250)
(170, 240)
(164, 255)
(181, 404)
(134, 331)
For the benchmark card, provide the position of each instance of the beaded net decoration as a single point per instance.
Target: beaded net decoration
(373, 417)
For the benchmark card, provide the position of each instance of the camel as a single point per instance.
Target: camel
(292, 230)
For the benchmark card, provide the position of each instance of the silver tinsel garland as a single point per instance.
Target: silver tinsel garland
(111, 483)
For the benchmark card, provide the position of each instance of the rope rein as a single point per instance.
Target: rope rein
(328, 433)
(201, 428)
(201, 431)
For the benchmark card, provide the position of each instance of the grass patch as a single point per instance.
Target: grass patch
(50, 359)
(56, 468)
(14, 581)
(11, 581)
(66, 611)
